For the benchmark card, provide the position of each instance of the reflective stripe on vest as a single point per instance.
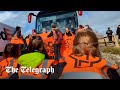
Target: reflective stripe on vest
(44, 65)
(11, 64)
(81, 75)
(45, 62)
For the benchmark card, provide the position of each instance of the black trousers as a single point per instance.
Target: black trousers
(57, 51)
(110, 38)
(119, 36)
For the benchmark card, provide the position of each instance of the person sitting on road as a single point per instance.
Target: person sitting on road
(10, 55)
(35, 58)
(86, 62)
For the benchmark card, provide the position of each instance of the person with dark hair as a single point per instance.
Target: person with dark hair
(118, 32)
(67, 32)
(11, 53)
(35, 58)
(87, 27)
(57, 36)
(109, 34)
(80, 28)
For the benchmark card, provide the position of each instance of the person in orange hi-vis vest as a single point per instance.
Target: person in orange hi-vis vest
(10, 60)
(48, 43)
(67, 43)
(68, 32)
(36, 58)
(18, 39)
(28, 38)
(86, 62)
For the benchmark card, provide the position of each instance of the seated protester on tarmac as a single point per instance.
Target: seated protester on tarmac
(10, 59)
(36, 58)
(67, 32)
(86, 62)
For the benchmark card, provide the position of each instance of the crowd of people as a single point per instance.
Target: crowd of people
(85, 61)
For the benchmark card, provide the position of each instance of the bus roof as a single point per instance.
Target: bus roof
(50, 13)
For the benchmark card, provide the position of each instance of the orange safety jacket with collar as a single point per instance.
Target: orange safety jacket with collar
(16, 40)
(8, 62)
(67, 45)
(86, 67)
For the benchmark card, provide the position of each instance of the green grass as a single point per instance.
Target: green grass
(113, 50)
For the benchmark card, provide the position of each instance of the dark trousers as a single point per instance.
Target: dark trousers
(57, 51)
(119, 36)
(110, 38)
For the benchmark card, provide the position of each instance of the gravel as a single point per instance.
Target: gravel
(112, 58)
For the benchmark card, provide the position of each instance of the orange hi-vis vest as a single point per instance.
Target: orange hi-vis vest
(86, 67)
(27, 41)
(41, 75)
(16, 40)
(48, 43)
(67, 45)
(44, 35)
(8, 62)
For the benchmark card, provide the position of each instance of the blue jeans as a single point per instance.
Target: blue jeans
(57, 51)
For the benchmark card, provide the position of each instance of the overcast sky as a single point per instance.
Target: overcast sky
(98, 20)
